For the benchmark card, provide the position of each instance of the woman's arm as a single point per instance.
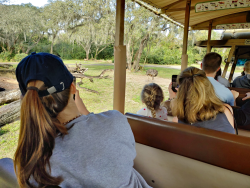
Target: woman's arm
(172, 94)
(235, 94)
(229, 114)
(175, 119)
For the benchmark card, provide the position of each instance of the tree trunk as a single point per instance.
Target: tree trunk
(96, 52)
(10, 112)
(128, 54)
(30, 47)
(52, 43)
(139, 52)
(7, 71)
(9, 96)
(99, 51)
(148, 52)
(87, 54)
(6, 66)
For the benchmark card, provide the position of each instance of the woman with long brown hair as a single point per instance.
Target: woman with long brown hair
(60, 142)
(196, 103)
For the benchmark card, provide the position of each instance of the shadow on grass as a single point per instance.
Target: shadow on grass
(2, 132)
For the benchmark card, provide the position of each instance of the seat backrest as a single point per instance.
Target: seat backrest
(212, 147)
(242, 94)
(7, 174)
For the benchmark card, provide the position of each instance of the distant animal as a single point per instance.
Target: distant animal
(152, 72)
(77, 69)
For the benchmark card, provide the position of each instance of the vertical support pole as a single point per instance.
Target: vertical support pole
(228, 60)
(184, 57)
(120, 59)
(233, 69)
(209, 37)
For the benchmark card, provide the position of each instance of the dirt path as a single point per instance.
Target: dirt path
(8, 83)
(141, 80)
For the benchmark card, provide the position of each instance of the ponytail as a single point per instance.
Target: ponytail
(36, 140)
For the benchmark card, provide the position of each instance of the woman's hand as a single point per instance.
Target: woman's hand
(80, 105)
(172, 94)
(247, 96)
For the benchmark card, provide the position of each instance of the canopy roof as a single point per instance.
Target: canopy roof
(200, 20)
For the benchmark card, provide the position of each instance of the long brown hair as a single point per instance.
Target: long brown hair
(152, 95)
(38, 129)
(195, 99)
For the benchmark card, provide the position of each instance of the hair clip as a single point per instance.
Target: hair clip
(33, 88)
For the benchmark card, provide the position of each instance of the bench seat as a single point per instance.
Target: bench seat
(160, 143)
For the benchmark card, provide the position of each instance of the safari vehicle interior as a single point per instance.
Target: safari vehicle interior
(173, 154)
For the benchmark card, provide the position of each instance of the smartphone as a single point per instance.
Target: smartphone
(74, 81)
(174, 83)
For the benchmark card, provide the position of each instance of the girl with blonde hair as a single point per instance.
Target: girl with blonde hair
(196, 103)
(152, 95)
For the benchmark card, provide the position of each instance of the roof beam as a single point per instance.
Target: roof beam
(173, 4)
(216, 21)
(154, 10)
(176, 9)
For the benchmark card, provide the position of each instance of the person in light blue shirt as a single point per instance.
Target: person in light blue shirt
(223, 93)
(210, 65)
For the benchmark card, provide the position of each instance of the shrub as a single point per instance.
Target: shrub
(5, 56)
(163, 55)
(19, 57)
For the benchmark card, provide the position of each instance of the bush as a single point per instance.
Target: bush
(163, 56)
(5, 56)
(19, 57)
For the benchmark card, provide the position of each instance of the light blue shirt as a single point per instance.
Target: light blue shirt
(223, 93)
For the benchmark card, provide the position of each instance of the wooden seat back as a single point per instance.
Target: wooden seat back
(177, 155)
(242, 94)
(221, 149)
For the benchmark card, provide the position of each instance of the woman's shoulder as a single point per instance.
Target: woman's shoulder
(111, 116)
(228, 108)
(228, 111)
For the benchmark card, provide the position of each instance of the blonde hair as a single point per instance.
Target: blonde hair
(195, 99)
(247, 67)
(152, 95)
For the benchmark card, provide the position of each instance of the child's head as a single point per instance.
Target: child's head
(152, 96)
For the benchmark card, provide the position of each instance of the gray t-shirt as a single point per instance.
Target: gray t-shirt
(98, 152)
(219, 123)
(242, 81)
(223, 93)
(223, 81)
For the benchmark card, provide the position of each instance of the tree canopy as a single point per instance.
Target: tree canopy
(85, 29)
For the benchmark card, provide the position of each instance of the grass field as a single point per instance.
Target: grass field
(97, 102)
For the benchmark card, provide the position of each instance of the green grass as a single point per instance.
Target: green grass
(162, 72)
(8, 139)
(87, 62)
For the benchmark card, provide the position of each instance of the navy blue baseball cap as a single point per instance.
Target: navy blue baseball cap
(47, 68)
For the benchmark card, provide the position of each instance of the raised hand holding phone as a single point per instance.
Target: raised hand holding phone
(174, 83)
(172, 94)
